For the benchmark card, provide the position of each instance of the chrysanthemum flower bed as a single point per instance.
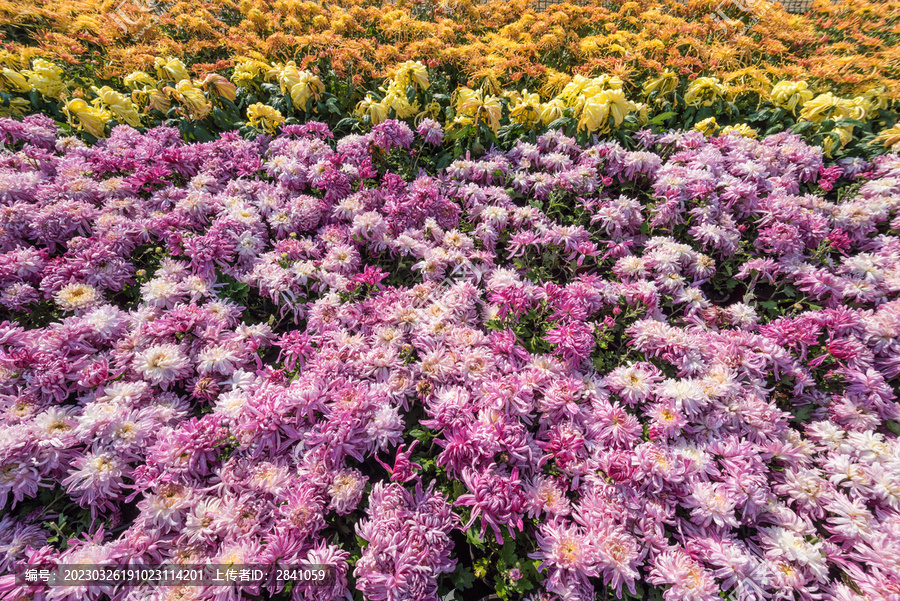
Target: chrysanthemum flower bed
(556, 371)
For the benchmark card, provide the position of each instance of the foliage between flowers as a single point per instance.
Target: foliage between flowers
(550, 371)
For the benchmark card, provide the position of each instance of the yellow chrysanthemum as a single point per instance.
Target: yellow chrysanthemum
(825, 106)
(153, 99)
(858, 108)
(249, 72)
(663, 85)
(376, 111)
(219, 86)
(432, 110)
(46, 78)
(117, 104)
(889, 138)
(707, 127)
(16, 108)
(594, 115)
(400, 104)
(552, 110)
(12, 81)
(526, 109)
(643, 113)
(412, 72)
(555, 82)
(171, 70)
(704, 91)
(138, 79)
(479, 107)
(876, 98)
(301, 85)
(91, 119)
(620, 106)
(184, 92)
(829, 144)
(742, 129)
(790, 95)
(264, 117)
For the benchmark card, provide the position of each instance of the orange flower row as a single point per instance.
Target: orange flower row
(847, 47)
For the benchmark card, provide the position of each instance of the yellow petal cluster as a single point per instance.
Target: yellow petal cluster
(889, 138)
(790, 95)
(475, 107)
(191, 98)
(91, 119)
(301, 85)
(118, 105)
(171, 69)
(826, 106)
(707, 127)
(704, 91)
(46, 78)
(264, 117)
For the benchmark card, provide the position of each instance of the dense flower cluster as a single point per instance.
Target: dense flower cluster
(673, 366)
(847, 44)
(602, 67)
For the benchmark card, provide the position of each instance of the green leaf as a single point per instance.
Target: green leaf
(346, 122)
(850, 122)
(803, 413)
(558, 123)
(421, 435)
(463, 578)
(460, 133)
(473, 537)
(659, 119)
(802, 127)
(645, 228)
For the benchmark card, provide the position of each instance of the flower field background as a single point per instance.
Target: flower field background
(463, 301)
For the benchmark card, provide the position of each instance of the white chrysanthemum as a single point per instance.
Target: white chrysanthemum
(164, 509)
(231, 403)
(346, 490)
(496, 216)
(100, 472)
(127, 393)
(218, 359)
(196, 287)
(105, 320)
(77, 297)
(385, 427)
(742, 315)
(796, 548)
(249, 245)
(631, 266)
(55, 423)
(161, 292)
(827, 433)
(161, 364)
(719, 381)
(712, 504)
(689, 394)
(869, 446)
(199, 523)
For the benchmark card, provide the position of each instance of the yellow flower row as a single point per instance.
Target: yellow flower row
(599, 104)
